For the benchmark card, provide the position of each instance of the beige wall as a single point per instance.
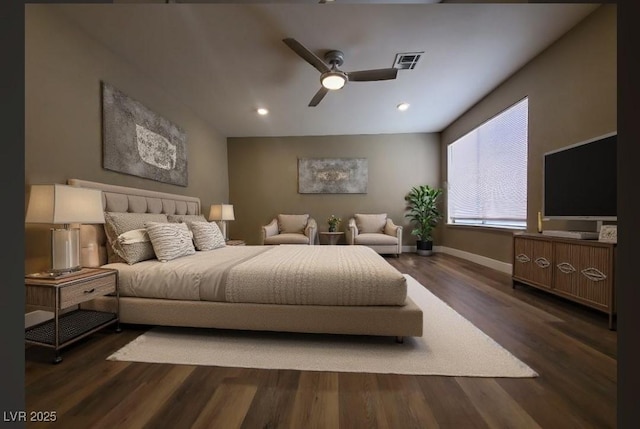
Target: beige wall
(572, 97)
(63, 70)
(263, 178)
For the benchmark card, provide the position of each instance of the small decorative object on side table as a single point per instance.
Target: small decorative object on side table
(235, 243)
(64, 291)
(333, 222)
(332, 236)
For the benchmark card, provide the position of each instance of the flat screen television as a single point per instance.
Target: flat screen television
(580, 181)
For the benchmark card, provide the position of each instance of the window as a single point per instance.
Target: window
(487, 172)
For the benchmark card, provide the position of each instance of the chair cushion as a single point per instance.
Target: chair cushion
(370, 223)
(287, 238)
(373, 239)
(292, 223)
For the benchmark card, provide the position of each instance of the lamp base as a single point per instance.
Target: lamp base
(62, 272)
(65, 250)
(223, 227)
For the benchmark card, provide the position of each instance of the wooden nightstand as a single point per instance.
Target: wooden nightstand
(65, 292)
(235, 243)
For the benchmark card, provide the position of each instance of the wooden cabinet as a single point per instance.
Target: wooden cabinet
(533, 261)
(580, 270)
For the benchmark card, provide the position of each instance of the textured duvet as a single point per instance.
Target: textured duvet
(285, 274)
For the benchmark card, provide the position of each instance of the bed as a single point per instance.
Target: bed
(287, 288)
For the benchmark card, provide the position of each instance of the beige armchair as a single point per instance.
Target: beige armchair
(376, 231)
(290, 229)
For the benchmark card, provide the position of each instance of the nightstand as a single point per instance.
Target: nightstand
(235, 243)
(65, 292)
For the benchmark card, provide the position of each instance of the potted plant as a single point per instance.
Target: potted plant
(333, 222)
(422, 203)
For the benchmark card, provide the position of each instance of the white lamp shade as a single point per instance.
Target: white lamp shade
(63, 204)
(221, 212)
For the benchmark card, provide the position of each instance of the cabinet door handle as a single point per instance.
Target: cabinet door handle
(566, 267)
(542, 262)
(90, 290)
(594, 274)
(522, 258)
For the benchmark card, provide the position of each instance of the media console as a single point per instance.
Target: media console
(579, 270)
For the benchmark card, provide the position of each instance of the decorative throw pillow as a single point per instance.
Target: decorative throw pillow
(370, 223)
(134, 236)
(118, 250)
(292, 223)
(206, 235)
(186, 218)
(170, 240)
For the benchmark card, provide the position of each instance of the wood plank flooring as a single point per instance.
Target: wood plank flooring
(567, 344)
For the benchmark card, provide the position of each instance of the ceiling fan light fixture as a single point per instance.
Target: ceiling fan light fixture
(402, 106)
(333, 80)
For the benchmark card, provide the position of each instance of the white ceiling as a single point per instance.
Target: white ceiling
(225, 60)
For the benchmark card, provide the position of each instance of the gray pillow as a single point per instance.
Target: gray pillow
(119, 250)
(186, 218)
(206, 235)
(170, 240)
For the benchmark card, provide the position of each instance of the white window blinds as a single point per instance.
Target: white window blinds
(487, 172)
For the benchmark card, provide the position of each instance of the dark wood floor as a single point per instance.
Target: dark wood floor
(567, 344)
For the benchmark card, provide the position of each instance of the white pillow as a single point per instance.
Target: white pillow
(170, 240)
(134, 236)
(206, 235)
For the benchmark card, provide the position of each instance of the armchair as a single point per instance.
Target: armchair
(376, 231)
(290, 229)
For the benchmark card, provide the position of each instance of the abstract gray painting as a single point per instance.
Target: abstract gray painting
(139, 142)
(333, 175)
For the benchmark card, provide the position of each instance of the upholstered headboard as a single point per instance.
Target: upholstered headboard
(93, 240)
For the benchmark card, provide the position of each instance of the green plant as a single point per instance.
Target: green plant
(333, 222)
(422, 203)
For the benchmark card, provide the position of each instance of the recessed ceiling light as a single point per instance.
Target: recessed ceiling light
(262, 111)
(402, 106)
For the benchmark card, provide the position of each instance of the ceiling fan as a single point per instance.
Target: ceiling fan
(332, 77)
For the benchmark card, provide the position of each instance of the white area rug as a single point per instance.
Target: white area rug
(450, 345)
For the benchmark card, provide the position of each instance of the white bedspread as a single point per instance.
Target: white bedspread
(285, 274)
(322, 275)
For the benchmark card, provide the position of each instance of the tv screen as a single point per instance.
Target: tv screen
(580, 181)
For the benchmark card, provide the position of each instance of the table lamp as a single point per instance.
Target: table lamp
(222, 213)
(64, 205)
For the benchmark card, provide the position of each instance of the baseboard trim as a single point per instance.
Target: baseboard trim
(478, 259)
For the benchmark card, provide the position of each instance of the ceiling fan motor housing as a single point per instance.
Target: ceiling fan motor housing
(335, 58)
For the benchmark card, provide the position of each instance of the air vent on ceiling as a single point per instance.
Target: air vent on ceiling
(407, 60)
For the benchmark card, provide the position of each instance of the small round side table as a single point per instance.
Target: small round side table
(332, 237)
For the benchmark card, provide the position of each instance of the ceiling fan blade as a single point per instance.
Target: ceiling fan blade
(318, 97)
(307, 55)
(371, 75)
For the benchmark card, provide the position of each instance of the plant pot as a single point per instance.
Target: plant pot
(424, 248)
